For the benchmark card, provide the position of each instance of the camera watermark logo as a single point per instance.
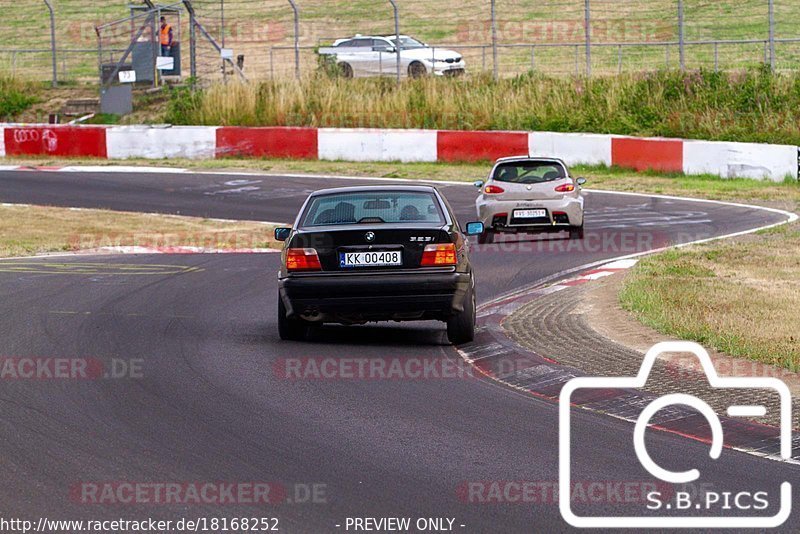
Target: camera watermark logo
(683, 477)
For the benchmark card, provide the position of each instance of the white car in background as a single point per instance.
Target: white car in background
(365, 55)
(529, 195)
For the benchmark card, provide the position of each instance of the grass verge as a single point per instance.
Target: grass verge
(28, 230)
(737, 297)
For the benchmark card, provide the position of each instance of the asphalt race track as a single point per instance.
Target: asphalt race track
(208, 402)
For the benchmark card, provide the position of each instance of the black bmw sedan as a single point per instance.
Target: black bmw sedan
(376, 253)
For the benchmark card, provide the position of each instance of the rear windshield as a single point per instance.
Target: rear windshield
(373, 208)
(529, 172)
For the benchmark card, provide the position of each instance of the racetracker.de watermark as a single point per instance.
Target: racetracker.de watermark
(600, 492)
(66, 368)
(211, 240)
(216, 493)
(406, 368)
(565, 31)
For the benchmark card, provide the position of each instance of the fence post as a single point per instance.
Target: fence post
(296, 39)
(192, 40)
(397, 44)
(99, 53)
(222, 37)
(587, 22)
(222, 23)
(716, 56)
(495, 70)
(53, 41)
(681, 36)
(577, 62)
(772, 34)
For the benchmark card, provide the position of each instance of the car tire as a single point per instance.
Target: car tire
(290, 329)
(417, 70)
(345, 70)
(461, 327)
(576, 232)
(486, 238)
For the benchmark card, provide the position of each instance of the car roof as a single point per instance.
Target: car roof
(530, 158)
(359, 36)
(375, 189)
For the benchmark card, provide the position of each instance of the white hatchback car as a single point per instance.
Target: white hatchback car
(365, 55)
(530, 195)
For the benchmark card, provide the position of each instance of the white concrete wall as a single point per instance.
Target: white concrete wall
(377, 145)
(573, 148)
(191, 142)
(2, 142)
(740, 160)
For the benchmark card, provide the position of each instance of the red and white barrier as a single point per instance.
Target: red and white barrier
(664, 155)
(377, 145)
(153, 142)
(75, 141)
(748, 160)
(269, 142)
(574, 149)
(457, 146)
(740, 160)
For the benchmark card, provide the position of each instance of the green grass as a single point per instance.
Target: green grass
(252, 27)
(754, 105)
(736, 297)
(16, 96)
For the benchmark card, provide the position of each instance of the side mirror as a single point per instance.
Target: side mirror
(478, 183)
(282, 233)
(580, 181)
(475, 228)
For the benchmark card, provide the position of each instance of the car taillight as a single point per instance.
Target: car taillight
(493, 190)
(565, 188)
(302, 259)
(438, 255)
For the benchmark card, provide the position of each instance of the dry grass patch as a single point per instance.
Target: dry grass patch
(27, 230)
(737, 297)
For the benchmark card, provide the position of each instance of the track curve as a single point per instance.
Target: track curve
(211, 404)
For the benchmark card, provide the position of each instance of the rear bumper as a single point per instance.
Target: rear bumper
(374, 297)
(571, 207)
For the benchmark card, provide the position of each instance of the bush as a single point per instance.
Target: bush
(15, 97)
(754, 105)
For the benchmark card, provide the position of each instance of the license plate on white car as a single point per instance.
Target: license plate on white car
(370, 259)
(529, 214)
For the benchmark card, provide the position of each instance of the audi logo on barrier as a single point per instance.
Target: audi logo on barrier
(26, 136)
(48, 138)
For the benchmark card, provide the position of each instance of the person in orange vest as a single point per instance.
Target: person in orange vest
(166, 37)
